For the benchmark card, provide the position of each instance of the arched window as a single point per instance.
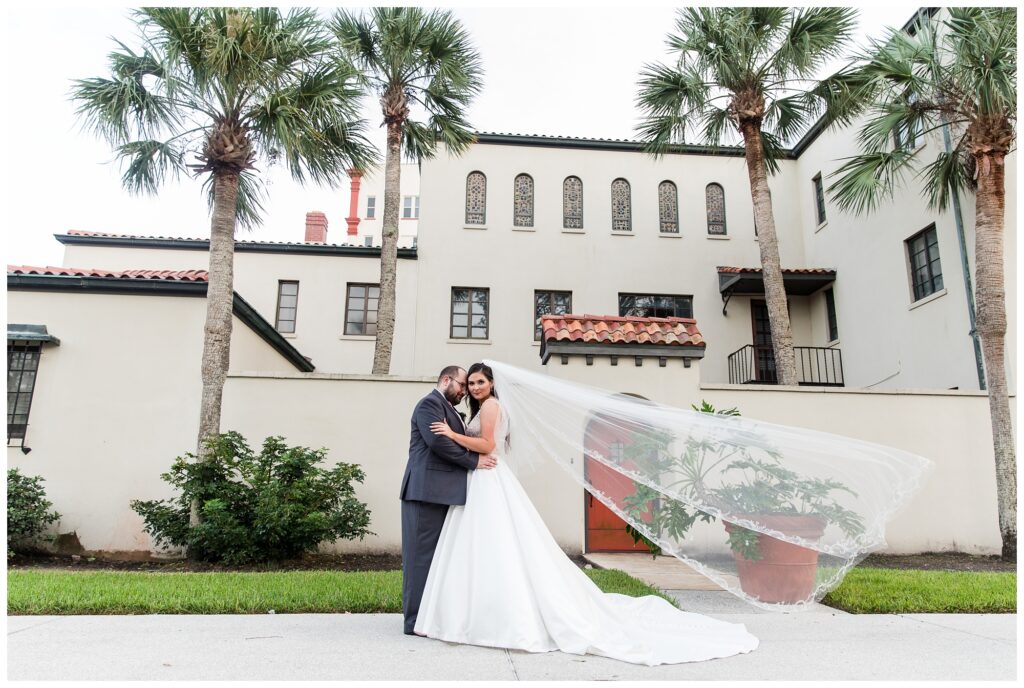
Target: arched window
(523, 206)
(476, 199)
(622, 213)
(668, 207)
(715, 199)
(572, 203)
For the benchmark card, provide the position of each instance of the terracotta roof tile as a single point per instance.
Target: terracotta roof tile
(793, 271)
(174, 275)
(612, 329)
(79, 232)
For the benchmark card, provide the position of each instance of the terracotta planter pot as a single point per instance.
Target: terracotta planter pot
(785, 573)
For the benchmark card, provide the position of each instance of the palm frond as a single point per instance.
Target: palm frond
(672, 102)
(948, 174)
(773, 151)
(229, 84)
(424, 59)
(815, 35)
(249, 200)
(149, 164)
(867, 179)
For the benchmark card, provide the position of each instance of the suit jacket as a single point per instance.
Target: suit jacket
(436, 471)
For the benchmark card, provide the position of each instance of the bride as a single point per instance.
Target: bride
(499, 579)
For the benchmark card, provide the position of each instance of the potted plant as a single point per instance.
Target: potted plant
(764, 492)
(751, 486)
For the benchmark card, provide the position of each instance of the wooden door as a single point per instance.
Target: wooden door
(605, 531)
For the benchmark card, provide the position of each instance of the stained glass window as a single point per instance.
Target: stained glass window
(668, 207)
(523, 211)
(476, 199)
(572, 203)
(715, 200)
(621, 210)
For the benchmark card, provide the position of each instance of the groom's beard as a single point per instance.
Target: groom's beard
(452, 397)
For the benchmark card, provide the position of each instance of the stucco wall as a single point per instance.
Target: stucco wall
(115, 402)
(118, 400)
(320, 316)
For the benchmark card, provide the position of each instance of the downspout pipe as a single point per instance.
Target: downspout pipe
(958, 218)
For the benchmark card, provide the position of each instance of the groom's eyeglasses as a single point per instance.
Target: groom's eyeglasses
(462, 385)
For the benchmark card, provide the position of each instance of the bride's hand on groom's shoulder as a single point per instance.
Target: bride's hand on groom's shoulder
(441, 428)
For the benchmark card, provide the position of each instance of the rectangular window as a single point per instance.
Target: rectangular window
(22, 365)
(410, 207)
(549, 303)
(361, 309)
(819, 198)
(371, 207)
(830, 308)
(287, 303)
(655, 306)
(925, 269)
(469, 313)
(906, 136)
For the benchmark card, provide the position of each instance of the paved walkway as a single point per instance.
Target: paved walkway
(817, 644)
(809, 645)
(664, 572)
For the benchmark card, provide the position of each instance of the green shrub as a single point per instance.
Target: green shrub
(267, 507)
(27, 510)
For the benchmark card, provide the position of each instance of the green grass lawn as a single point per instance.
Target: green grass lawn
(48, 591)
(902, 591)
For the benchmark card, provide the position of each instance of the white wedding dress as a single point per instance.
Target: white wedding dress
(499, 579)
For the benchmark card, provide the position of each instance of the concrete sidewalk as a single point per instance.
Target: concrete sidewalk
(820, 644)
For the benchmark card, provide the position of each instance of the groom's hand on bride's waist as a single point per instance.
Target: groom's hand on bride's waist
(487, 461)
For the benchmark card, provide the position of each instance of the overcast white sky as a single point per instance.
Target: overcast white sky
(558, 71)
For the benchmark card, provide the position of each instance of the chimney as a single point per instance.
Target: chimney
(353, 205)
(316, 227)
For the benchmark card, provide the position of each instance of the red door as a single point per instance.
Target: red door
(606, 532)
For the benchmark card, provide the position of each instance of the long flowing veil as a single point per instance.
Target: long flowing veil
(772, 513)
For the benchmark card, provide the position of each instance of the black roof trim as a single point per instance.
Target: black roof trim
(150, 287)
(240, 247)
(600, 144)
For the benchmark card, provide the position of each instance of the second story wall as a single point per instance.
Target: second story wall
(595, 263)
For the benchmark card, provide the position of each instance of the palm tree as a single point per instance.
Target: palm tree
(958, 76)
(229, 86)
(750, 68)
(410, 58)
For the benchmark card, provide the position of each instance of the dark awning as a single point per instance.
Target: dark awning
(797, 281)
(30, 333)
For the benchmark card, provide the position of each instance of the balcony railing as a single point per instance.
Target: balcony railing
(815, 365)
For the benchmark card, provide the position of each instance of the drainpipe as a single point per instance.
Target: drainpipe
(958, 218)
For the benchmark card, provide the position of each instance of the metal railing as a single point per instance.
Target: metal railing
(815, 365)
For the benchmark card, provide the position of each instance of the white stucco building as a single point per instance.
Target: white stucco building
(516, 227)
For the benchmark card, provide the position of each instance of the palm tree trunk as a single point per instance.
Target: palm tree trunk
(389, 251)
(989, 219)
(771, 268)
(219, 301)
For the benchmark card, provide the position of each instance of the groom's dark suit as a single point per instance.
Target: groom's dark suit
(435, 478)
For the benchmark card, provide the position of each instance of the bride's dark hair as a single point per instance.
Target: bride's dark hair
(474, 405)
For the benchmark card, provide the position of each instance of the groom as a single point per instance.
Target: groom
(435, 477)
